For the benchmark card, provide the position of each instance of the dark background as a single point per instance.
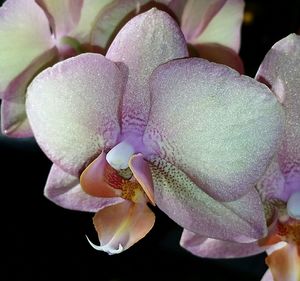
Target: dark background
(41, 241)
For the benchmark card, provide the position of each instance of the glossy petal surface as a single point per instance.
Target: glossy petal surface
(25, 36)
(144, 43)
(213, 248)
(73, 109)
(122, 225)
(64, 190)
(218, 127)
(225, 26)
(189, 206)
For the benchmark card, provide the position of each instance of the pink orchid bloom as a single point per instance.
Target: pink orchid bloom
(55, 30)
(36, 34)
(212, 27)
(279, 188)
(143, 126)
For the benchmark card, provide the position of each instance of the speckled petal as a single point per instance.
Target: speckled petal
(141, 171)
(272, 184)
(220, 128)
(25, 35)
(196, 16)
(122, 225)
(225, 27)
(280, 70)
(90, 12)
(184, 202)
(73, 109)
(144, 43)
(14, 122)
(213, 248)
(63, 15)
(64, 190)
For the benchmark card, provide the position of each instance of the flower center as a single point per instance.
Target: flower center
(118, 157)
(293, 205)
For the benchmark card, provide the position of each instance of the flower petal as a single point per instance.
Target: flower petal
(196, 16)
(225, 27)
(284, 263)
(268, 276)
(213, 248)
(64, 190)
(99, 178)
(220, 54)
(90, 12)
(141, 171)
(230, 125)
(63, 14)
(25, 35)
(73, 109)
(14, 121)
(189, 206)
(122, 225)
(110, 18)
(280, 70)
(272, 183)
(144, 43)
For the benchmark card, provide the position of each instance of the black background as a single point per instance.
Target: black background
(41, 241)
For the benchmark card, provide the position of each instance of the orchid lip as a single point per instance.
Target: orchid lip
(293, 205)
(106, 248)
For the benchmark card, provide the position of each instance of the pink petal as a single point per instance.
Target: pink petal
(220, 54)
(268, 276)
(213, 248)
(91, 11)
(99, 179)
(14, 122)
(280, 70)
(25, 35)
(225, 27)
(189, 206)
(73, 109)
(122, 225)
(110, 18)
(272, 183)
(63, 14)
(144, 43)
(196, 16)
(141, 171)
(218, 127)
(64, 190)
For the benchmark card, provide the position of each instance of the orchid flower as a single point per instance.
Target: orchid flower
(55, 30)
(35, 34)
(279, 188)
(143, 126)
(212, 27)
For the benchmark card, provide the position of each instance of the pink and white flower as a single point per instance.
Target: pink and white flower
(279, 188)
